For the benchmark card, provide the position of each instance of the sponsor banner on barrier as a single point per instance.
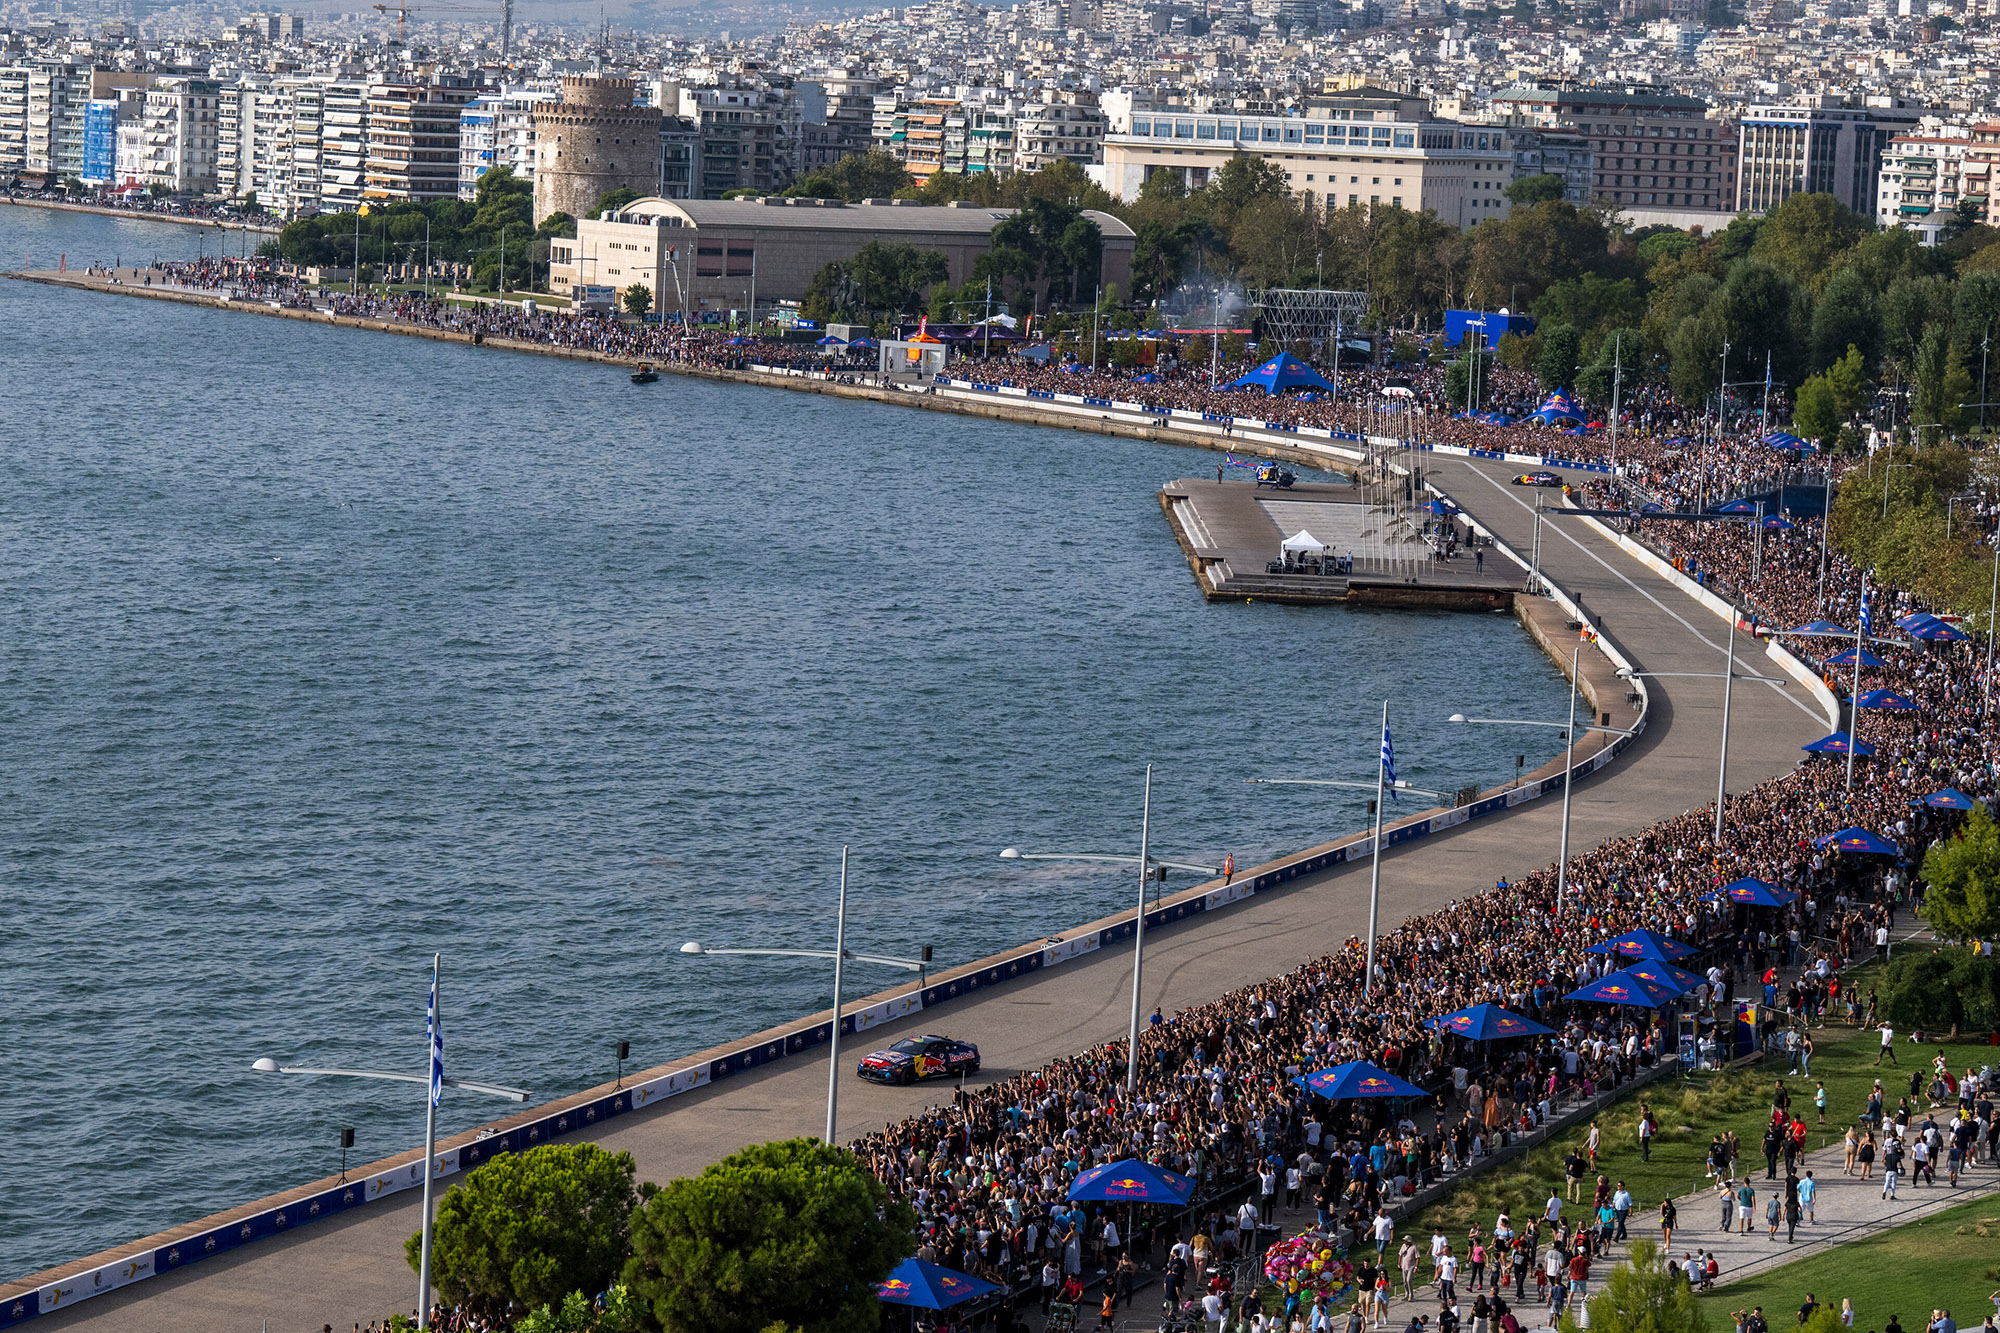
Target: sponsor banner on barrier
(20, 1309)
(901, 1006)
(1229, 893)
(1064, 950)
(1523, 794)
(1451, 818)
(108, 1277)
(669, 1085)
(410, 1174)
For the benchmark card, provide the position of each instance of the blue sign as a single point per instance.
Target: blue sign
(100, 142)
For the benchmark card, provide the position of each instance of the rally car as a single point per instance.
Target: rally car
(914, 1058)
(1538, 479)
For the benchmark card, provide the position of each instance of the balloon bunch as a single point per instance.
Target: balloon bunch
(1307, 1263)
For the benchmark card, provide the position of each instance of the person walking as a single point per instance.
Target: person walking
(1892, 1163)
(1808, 1188)
(1621, 1209)
(1864, 1156)
(1667, 1218)
(1746, 1206)
(1888, 1043)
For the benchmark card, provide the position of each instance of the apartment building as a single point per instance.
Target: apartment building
(50, 86)
(181, 135)
(13, 120)
(413, 140)
(1821, 145)
(1647, 149)
(1068, 126)
(1920, 180)
(494, 130)
(749, 138)
(1367, 147)
(343, 146)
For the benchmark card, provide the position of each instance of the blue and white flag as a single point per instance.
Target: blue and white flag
(437, 1043)
(1388, 761)
(1867, 611)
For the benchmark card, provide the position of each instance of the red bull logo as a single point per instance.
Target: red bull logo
(895, 1286)
(1616, 991)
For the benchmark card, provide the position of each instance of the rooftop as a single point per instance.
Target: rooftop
(834, 215)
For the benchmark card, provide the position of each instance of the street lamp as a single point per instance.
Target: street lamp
(1147, 863)
(437, 1079)
(840, 953)
(1380, 785)
(1569, 763)
(1729, 676)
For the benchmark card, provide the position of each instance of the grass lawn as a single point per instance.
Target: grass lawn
(1689, 1113)
(1950, 1260)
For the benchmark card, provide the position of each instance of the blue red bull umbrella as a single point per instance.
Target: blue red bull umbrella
(1623, 987)
(1858, 841)
(1654, 969)
(1643, 944)
(1132, 1181)
(1487, 1022)
(1951, 798)
(1822, 629)
(1755, 893)
(1838, 743)
(1924, 625)
(1358, 1078)
(928, 1286)
(1848, 658)
(1887, 699)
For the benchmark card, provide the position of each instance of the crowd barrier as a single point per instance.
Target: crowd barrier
(289, 1216)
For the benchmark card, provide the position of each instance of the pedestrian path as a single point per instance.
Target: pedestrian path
(1845, 1209)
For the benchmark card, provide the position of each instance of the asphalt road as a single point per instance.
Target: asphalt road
(352, 1268)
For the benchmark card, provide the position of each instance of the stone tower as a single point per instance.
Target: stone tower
(592, 142)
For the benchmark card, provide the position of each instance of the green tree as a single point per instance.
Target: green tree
(1844, 316)
(1848, 378)
(529, 1228)
(638, 300)
(1643, 1295)
(1963, 901)
(794, 1232)
(621, 1313)
(1816, 413)
(613, 200)
(1556, 365)
(1940, 384)
(1531, 190)
(1951, 989)
(1801, 236)
(871, 175)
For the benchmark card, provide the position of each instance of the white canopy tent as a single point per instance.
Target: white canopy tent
(1303, 542)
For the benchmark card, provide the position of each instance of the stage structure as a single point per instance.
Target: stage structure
(1295, 315)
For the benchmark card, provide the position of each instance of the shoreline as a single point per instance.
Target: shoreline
(103, 210)
(1544, 619)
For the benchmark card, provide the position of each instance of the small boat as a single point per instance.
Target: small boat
(645, 375)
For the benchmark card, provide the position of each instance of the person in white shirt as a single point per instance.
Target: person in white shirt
(1211, 1311)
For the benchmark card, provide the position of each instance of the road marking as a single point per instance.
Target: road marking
(1780, 688)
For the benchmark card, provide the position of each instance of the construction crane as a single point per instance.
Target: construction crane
(402, 9)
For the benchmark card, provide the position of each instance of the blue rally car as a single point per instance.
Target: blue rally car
(915, 1058)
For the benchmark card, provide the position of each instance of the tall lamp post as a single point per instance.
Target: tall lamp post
(437, 1080)
(839, 954)
(1381, 786)
(1147, 864)
(1729, 675)
(1569, 763)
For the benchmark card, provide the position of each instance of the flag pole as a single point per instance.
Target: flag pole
(433, 1085)
(1375, 860)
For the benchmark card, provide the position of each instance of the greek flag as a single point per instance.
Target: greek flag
(437, 1043)
(1388, 761)
(1867, 612)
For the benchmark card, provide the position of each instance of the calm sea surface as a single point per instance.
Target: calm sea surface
(322, 650)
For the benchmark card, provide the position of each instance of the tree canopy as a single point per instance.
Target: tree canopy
(1963, 901)
(530, 1228)
(795, 1233)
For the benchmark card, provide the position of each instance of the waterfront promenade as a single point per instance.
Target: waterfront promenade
(351, 1269)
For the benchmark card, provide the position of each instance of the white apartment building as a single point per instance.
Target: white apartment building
(413, 140)
(1365, 148)
(13, 120)
(343, 146)
(182, 139)
(50, 87)
(1920, 179)
(494, 131)
(308, 108)
(1070, 125)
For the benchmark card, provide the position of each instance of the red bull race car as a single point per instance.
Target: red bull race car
(915, 1058)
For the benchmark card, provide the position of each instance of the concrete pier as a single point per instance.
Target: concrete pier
(1232, 532)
